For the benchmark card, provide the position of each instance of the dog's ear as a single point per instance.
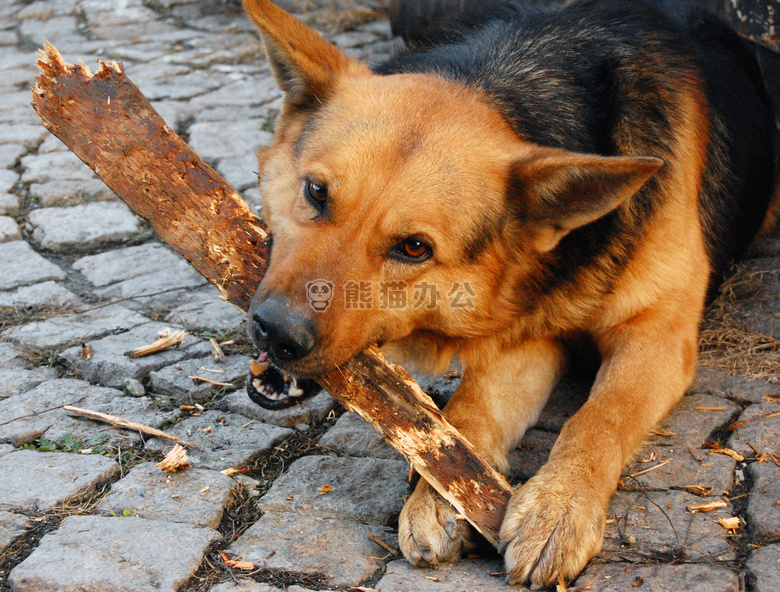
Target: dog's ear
(554, 192)
(304, 63)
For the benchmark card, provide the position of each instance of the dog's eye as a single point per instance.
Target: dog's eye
(316, 193)
(413, 250)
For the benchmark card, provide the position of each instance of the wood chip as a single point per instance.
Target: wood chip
(242, 565)
(737, 425)
(163, 343)
(216, 351)
(716, 449)
(699, 490)
(324, 489)
(86, 351)
(209, 381)
(732, 523)
(768, 415)
(384, 545)
(230, 472)
(653, 468)
(710, 408)
(432, 578)
(772, 398)
(708, 507)
(175, 460)
(664, 433)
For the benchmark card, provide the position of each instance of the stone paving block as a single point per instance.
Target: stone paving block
(9, 154)
(692, 427)
(217, 140)
(7, 180)
(764, 565)
(530, 455)
(128, 263)
(14, 381)
(43, 294)
(208, 315)
(11, 526)
(21, 266)
(714, 470)
(27, 135)
(40, 168)
(117, 554)
(200, 495)
(353, 436)
(659, 528)
(341, 550)
(225, 440)
(761, 312)
(63, 192)
(764, 501)
(762, 430)
(310, 411)
(252, 586)
(622, 577)
(10, 356)
(364, 489)
(6, 449)
(174, 380)
(716, 381)
(39, 413)
(34, 481)
(83, 226)
(240, 171)
(9, 203)
(79, 327)
(109, 366)
(9, 230)
(468, 575)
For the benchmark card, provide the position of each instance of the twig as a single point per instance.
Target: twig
(209, 381)
(383, 544)
(163, 343)
(122, 423)
(653, 468)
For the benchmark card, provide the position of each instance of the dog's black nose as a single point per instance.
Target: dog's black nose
(287, 332)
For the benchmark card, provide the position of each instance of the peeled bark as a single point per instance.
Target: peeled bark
(108, 123)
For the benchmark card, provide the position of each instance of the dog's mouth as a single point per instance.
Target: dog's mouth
(271, 388)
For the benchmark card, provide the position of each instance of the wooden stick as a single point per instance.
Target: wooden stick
(111, 126)
(126, 424)
(158, 345)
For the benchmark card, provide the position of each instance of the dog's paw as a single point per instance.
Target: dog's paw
(429, 532)
(553, 526)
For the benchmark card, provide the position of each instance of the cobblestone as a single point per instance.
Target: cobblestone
(34, 481)
(21, 266)
(621, 577)
(764, 505)
(310, 411)
(43, 294)
(9, 230)
(109, 364)
(176, 380)
(764, 564)
(11, 526)
(340, 549)
(361, 489)
(193, 496)
(762, 430)
(224, 440)
(470, 574)
(118, 554)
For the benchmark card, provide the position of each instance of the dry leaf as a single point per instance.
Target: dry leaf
(729, 523)
(699, 490)
(175, 460)
(324, 488)
(708, 507)
(242, 565)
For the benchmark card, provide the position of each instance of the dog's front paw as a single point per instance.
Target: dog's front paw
(553, 526)
(429, 532)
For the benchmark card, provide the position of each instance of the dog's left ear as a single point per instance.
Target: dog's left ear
(554, 192)
(303, 62)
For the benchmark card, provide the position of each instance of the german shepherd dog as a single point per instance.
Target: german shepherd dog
(583, 173)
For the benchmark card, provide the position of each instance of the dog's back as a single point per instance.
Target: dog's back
(612, 77)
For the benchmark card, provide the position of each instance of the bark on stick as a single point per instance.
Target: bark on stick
(108, 123)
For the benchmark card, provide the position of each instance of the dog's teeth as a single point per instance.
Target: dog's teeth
(294, 390)
(258, 368)
(258, 385)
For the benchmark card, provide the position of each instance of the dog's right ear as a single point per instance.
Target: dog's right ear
(304, 63)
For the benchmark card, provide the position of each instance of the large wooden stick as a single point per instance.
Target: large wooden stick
(111, 126)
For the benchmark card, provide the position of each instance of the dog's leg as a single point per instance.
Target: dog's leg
(501, 395)
(555, 522)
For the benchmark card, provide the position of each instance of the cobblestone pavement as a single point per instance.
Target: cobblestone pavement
(82, 281)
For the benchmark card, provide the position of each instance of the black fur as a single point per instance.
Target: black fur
(603, 77)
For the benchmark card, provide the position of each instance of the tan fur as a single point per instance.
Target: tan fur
(388, 149)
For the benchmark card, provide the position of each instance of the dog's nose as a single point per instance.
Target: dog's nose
(288, 332)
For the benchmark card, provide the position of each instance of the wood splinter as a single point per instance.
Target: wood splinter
(108, 123)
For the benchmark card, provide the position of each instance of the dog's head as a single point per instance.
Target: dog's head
(409, 197)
